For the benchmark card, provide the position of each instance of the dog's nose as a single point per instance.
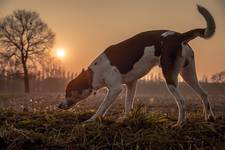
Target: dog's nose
(60, 106)
(63, 105)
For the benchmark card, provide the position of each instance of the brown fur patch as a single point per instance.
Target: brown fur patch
(126, 53)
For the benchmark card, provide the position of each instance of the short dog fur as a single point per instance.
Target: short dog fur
(129, 60)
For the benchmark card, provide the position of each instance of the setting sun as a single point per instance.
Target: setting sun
(60, 53)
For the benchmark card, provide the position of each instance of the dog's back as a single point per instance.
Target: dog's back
(125, 54)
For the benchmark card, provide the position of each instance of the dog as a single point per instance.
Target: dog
(129, 60)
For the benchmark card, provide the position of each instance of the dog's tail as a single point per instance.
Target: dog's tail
(204, 33)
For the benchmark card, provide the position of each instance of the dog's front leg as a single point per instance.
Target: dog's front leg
(109, 99)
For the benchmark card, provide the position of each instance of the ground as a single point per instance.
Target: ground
(33, 122)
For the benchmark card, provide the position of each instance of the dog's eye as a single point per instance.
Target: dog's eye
(68, 94)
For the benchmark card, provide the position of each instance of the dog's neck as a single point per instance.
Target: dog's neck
(89, 77)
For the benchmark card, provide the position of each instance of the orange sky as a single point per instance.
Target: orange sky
(84, 28)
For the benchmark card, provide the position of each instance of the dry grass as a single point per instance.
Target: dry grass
(142, 130)
(32, 122)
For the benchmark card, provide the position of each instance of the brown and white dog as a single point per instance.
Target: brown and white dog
(129, 60)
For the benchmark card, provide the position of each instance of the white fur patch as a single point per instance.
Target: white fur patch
(104, 74)
(99, 67)
(143, 66)
(185, 50)
(184, 47)
(167, 33)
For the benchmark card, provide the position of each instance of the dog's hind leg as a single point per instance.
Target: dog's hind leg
(171, 67)
(180, 102)
(131, 89)
(188, 73)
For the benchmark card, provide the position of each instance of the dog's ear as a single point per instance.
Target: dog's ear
(83, 70)
(74, 93)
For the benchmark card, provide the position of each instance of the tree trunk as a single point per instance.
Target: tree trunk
(26, 79)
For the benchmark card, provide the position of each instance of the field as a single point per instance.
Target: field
(33, 122)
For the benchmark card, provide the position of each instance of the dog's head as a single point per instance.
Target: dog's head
(78, 89)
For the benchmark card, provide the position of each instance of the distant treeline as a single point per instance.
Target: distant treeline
(54, 78)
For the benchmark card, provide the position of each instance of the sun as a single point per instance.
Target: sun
(60, 53)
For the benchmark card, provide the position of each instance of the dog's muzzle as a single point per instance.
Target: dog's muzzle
(65, 104)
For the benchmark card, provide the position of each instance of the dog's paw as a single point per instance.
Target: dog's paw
(121, 119)
(95, 118)
(210, 118)
(176, 125)
(90, 120)
(179, 124)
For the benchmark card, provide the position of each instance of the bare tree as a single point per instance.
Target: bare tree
(25, 38)
(218, 77)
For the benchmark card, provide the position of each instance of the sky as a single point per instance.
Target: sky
(84, 28)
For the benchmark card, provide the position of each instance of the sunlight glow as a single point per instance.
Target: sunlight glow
(60, 53)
